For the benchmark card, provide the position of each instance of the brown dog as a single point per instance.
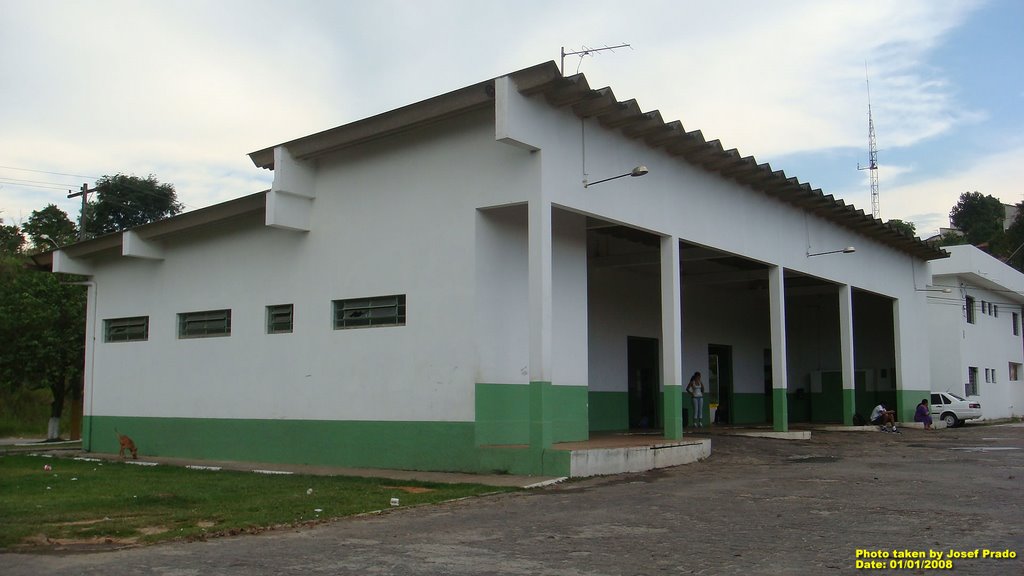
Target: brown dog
(127, 445)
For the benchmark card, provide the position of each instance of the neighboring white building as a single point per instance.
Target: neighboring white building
(441, 287)
(977, 344)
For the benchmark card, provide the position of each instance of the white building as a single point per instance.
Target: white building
(442, 287)
(977, 346)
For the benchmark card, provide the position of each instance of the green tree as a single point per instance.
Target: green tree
(1015, 240)
(42, 332)
(904, 227)
(11, 239)
(980, 218)
(50, 222)
(127, 201)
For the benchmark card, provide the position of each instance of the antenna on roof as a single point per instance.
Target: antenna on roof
(872, 166)
(584, 51)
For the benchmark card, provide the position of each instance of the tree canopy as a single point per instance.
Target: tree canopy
(50, 222)
(11, 239)
(907, 228)
(127, 201)
(979, 218)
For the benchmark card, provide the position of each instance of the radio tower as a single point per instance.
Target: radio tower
(872, 166)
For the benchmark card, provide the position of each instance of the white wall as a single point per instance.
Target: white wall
(987, 343)
(392, 217)
(687, 202)
(623, 302)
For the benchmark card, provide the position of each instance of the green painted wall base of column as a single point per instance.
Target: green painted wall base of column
(673, 412)
(541, 432)
(849, 405)
(780, 412)
(907, 401)
(503, 413)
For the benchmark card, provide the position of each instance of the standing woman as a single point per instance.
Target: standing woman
(696, 390)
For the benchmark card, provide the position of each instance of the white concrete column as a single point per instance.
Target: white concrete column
(904, 402)
(846, 352)
(540, 297)
(777, 307)
(540, 303)
(671, 338)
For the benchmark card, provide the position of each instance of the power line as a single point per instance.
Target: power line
(35, 183)
(45, 172)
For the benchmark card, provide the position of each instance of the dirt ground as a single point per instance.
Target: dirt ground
(839, 502)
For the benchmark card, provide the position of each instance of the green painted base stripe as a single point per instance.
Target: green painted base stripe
(541, 433)
(507, 413)
(749, 408)
(408, 445)
(502, 414)
(673, 415)
(608, 411)
(907, 401)
(780, 411)
(849, 406)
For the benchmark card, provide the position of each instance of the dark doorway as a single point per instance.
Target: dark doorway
(642, 362)
(769, 394)
(720, 382)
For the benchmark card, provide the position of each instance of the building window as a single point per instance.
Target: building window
(969, 307)
(205, 324)
(995, 310)
(280, 318)
(1016, 324)
(369, 312)
(988, 378)
(126, 329)
(971, 388)
(1014, 371)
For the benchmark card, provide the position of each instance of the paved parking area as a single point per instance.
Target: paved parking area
(757, 506)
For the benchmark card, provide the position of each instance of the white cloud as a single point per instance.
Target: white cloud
(786, 77)
(185, 89)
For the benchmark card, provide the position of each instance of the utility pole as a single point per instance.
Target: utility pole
(84, 193)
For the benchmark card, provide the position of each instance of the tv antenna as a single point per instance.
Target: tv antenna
(872, 166)
(584, 51)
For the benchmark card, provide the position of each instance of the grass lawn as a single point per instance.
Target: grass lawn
(82, 502)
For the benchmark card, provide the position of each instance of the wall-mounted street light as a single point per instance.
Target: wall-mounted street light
(638, 171)
(50, 240)
(930, 288)
(847, 250)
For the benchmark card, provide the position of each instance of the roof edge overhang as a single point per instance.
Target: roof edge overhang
(419, 114)
(253, 203)
(546, 81)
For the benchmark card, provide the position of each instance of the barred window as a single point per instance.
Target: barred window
(126, 329)
(971, 387)
(369, 312)
(280, 318)
(204, 324)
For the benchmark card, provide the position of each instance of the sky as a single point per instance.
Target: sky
(185, 89)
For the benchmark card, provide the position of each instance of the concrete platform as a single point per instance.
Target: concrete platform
(631, 453)
(789, 435)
